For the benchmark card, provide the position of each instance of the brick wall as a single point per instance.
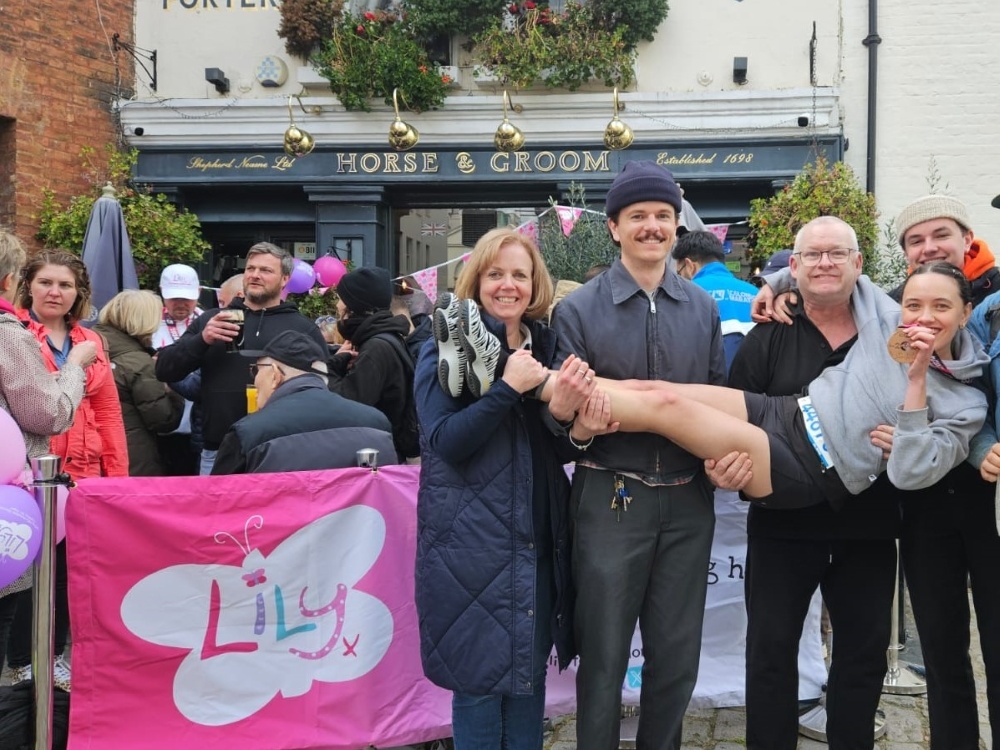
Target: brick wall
(57, 82)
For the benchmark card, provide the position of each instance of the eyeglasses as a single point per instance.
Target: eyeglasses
(812, 257)
(255, 368)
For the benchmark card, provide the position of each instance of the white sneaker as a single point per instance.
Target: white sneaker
(482, 350)
(451, 357)
(61, 673)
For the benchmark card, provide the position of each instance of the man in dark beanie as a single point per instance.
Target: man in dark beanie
(373, 365)
(648, 550)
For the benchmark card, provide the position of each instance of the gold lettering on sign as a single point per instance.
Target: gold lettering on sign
(740, 157)
(204, 165)
(569, 161)
(409, 163)
(545, 161)
(392, 163)
(464, 162)
(257, 161)
(521, 161)
(347, 163)
(500, 162)
(370, 163)
(283, 163)
(590, 164)
(667, 159)
(430, 162)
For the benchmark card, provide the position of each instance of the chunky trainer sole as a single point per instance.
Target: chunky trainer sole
(482, 350)
(451, 357)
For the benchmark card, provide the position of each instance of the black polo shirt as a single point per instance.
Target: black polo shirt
(781, 360)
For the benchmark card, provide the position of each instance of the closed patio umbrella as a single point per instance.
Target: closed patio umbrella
(107, 252)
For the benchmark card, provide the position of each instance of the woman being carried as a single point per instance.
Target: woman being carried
(817, 446)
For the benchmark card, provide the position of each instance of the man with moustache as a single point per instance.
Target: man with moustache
(641, 511)
(224, 375)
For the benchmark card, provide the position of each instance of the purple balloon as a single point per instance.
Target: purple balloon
(13, 455)
(302, 279)
(329, 269)
(20, 532)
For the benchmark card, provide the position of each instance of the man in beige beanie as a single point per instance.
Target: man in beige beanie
(937, 227)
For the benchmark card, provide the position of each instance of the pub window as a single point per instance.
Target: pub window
(475, 224)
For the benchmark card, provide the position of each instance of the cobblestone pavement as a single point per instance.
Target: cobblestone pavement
(907, 726)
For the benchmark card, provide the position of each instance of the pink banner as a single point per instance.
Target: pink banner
(568, 216)
(719, 230)
(428, 281)
(269, 613)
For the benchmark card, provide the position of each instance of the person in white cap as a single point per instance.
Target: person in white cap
(179, 287)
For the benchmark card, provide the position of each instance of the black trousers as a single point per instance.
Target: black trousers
(19, 643)
(649, 563)
(948, 541)
(856, 578)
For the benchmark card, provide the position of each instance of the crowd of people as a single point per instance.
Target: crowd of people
(848, 417)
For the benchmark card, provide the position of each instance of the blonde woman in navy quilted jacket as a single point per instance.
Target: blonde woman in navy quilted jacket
(493, 584)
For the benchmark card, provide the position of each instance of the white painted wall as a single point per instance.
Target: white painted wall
(938, 92)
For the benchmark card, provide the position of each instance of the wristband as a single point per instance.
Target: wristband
(577, 445)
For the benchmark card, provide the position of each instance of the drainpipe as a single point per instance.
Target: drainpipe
(872, 41)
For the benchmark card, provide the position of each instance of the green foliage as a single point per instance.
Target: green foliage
(563, 50)
(313, 305)
(820, 189)
(306, 23)
(367, 56)
(160, 234)
(588, 244)
(638, 19)
(888, 268)
(433, 17)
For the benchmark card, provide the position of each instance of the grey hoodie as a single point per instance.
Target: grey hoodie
(867, 389)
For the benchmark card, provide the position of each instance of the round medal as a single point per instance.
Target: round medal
(900, 348)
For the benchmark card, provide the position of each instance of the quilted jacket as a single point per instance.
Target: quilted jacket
(476, 548)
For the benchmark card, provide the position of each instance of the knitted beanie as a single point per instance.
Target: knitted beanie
(365, 290)
(931, 207)
(641, 181)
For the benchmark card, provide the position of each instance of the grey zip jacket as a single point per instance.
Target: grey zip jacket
(868, 387)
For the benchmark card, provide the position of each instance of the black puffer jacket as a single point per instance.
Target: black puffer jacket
(377, 376)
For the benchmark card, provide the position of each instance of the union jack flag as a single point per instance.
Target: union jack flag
(433, 229)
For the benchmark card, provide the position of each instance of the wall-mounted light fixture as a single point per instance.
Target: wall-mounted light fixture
(297, 141)
(508, 136)
(402, 135)
(740, 70)
(217, 78)
(617, 135)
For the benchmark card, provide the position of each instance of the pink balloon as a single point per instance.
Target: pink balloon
(329, 269)
(302, 278)
(14, 453)
(21, 531)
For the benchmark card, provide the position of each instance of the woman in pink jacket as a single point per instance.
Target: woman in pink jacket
(55, 297)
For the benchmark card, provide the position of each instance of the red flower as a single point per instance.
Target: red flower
(423, 68)
(529, 4)
(446, 79)
(369, 16)
(512, 7)
(360, 29)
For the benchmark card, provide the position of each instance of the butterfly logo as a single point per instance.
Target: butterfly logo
(273, 625)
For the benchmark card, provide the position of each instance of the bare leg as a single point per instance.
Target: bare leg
(706, 420)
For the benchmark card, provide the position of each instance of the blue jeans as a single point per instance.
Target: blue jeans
(498, 722)
(207, 461)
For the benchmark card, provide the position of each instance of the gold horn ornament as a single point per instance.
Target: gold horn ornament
(617, 135)
(508, 136)
(402, 135)
(297, 141)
